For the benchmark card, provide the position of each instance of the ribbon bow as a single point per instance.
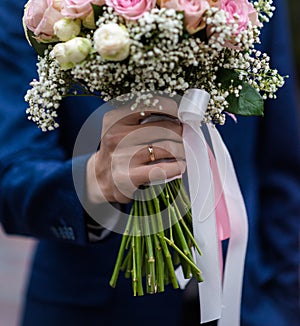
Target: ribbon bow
(218, 213)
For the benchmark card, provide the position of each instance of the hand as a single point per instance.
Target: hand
(123, 162)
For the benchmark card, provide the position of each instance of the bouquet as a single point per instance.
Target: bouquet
(110, 48)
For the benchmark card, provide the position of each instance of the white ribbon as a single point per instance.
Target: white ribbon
(217, 300)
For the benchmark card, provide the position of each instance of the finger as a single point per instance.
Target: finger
(162, 129)
(144, 136)
(157, 105)
(164, 150)
(157, 172)
(141, 134)
(128, 116)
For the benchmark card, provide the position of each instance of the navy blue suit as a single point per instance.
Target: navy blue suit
(69, 280)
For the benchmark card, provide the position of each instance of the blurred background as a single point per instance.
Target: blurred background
(294, 12)
(15, 252)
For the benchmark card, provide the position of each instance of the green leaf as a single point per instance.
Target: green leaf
(98, 11)
(249, 101)
(227, 77)
(38, 46)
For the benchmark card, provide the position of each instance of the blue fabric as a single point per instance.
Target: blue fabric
(69, 281)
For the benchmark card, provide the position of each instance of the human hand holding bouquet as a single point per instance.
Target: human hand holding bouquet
(124, 151)
(124, 169)
(136, 48)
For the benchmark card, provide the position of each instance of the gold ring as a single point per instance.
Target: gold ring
(151, 153)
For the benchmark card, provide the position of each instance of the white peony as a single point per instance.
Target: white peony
(112, 42)
(66, 29)
(72, 52)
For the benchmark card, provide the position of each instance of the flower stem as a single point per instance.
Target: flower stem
(149, 248)
(164, 246)
(114, 278)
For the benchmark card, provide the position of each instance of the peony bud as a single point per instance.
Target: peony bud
(66, 29)
(112, 42)
(70, 53)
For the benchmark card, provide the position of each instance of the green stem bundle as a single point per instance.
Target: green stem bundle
(158, 238)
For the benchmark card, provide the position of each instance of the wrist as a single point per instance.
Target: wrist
(95, 194)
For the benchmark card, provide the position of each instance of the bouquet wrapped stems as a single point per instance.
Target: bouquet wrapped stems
(158, 237)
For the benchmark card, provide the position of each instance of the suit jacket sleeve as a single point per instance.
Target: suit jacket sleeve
(37, 195)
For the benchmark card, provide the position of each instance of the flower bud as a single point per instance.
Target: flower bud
(66, 29)
(89, 21)
(70, 53)
(59, 53)
(78, 49)
(112, 42)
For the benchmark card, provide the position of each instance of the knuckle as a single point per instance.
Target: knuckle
(111, 139)
(108, 139)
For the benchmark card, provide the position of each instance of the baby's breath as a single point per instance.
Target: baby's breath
(163, 57)
(45, 94)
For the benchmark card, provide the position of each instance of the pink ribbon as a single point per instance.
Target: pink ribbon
(222, 217)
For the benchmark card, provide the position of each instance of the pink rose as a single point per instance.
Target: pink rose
(193, 12)
(79, 8)
(40, 16)
(253, 15)
(244, 9)
(131, 9)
